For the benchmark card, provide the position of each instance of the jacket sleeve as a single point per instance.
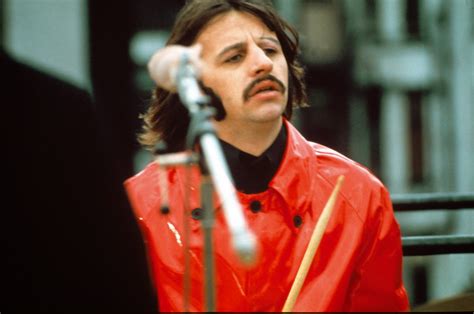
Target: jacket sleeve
(377, 282)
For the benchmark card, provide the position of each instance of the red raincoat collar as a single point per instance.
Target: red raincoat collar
(298, 167)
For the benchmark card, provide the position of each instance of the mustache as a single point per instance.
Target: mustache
(216, 102)
(269, 77)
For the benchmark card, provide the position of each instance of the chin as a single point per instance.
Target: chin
(272, 110)
(267, 115)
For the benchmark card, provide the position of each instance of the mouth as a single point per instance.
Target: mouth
(268, 86)
(265, 86)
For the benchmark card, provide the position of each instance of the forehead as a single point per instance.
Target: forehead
(230, 28)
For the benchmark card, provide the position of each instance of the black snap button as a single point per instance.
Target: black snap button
(297, 220)
(197, 213)
(165, 210)
(255, 206)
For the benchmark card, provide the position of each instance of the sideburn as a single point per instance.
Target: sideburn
(289, 103)
(215, 102)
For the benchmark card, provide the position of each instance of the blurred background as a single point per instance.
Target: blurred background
(390, 82)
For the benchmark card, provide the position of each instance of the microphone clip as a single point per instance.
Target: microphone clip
(187, 83)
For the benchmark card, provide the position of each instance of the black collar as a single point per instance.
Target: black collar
(252, 174)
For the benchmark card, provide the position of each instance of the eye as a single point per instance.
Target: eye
(234, 59)
(270, 51)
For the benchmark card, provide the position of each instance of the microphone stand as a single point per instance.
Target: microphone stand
(213, 167)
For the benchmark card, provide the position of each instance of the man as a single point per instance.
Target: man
(246, 56)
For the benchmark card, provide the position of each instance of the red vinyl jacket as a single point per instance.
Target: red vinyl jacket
(358, 265)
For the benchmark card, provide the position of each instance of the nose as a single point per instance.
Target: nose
(261, 63)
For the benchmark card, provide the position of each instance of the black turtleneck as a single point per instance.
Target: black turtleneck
(251, 173)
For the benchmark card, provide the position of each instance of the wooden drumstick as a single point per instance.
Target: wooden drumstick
(312, 248)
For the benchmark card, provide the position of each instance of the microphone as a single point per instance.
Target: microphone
(173, 70)
(191, 95)
(164, 64)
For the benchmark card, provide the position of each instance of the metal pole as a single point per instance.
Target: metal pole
(423, 201)
(433, 245)
(394, 104)
(207, 226)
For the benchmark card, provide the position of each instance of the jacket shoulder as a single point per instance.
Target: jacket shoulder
(332, 162)
(361, 187)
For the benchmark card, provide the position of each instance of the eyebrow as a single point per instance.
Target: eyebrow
(229, 48)
(275, 40)
(241, 44)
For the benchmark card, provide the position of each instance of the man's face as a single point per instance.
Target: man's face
(244, 65)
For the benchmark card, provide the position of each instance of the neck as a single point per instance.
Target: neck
(253, 139)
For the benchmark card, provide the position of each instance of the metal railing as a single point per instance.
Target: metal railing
(435, 244)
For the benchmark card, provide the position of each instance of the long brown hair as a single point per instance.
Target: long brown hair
(166, 119)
